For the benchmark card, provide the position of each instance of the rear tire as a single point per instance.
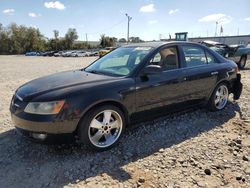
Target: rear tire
(219, 98)
(242, 62)
(102, 127)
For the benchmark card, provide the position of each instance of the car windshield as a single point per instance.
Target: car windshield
(120, 62)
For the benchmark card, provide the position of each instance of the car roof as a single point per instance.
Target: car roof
(157, 44)
(213, 43)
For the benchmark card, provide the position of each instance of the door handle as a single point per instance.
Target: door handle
(214, 73)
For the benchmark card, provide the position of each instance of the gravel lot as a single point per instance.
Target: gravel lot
(195, 148)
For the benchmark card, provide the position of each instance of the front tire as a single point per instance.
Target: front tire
(219, 98)
(242, 62)
(102, 127)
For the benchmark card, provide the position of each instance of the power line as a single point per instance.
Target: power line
(111, 27)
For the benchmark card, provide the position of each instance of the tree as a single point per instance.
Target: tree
(18, 39)
(56, 40)
(70, 37)
(5, 42)
(103, 40)
(135, 40)
(106, 41)
(122, 40)
(56, 34)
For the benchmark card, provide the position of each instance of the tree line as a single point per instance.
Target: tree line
(18, 39)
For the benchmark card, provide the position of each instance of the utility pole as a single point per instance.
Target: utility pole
(87, 38)
(160, 36)
(216, 28)
(129, 19)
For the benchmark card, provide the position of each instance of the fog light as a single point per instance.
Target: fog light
(39, 136)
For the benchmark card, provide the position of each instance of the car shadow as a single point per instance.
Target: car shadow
(246, 68)
(24, 163)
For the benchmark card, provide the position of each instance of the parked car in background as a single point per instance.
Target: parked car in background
(32, 53)
(49, 53)
(105, 51)
(58, 54)
(67, 53)
(45, 53)
(78, 54)
(127, 85)
(238, 53)
(88, 54)
(95, 53)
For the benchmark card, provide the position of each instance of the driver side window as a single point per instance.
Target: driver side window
(167, 58)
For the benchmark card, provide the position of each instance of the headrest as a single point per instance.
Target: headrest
(170, 59)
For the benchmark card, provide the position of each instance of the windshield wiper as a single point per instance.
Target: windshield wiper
(95, 72)
(102, 72)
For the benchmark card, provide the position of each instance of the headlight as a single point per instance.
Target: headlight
(52, 107)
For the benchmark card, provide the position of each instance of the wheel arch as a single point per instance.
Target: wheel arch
(220, 82)
(102, 103)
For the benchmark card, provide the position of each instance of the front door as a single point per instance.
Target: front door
(164, 88)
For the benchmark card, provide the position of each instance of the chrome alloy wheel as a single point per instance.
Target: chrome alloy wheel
(105, 128)
(221, 97)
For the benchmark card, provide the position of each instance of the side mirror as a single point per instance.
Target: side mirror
(152, 69)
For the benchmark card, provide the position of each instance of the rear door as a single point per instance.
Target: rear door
(200, 72)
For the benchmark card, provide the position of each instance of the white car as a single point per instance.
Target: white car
(79, 54)
(67, 53)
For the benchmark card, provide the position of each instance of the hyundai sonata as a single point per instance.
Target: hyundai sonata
(96, 103)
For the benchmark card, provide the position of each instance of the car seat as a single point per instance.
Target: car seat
(169, 62)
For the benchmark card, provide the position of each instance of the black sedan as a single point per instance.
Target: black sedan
(125, 86)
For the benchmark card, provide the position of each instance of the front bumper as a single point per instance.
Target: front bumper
(237, 87)
(52, 127)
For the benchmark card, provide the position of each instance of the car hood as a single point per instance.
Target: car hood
(60, 80)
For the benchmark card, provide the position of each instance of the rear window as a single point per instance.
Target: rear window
(196, 56)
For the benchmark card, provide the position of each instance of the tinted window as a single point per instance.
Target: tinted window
(210, 58)
(115, 62)
(119, 62)
(167, 58)
(194, 56)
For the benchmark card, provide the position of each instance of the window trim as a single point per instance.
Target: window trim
(195, 46)
(164, 47)
(206, 52)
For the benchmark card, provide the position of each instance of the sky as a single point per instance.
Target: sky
(151, 19)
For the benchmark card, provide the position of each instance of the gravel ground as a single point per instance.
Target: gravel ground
(195, 148)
